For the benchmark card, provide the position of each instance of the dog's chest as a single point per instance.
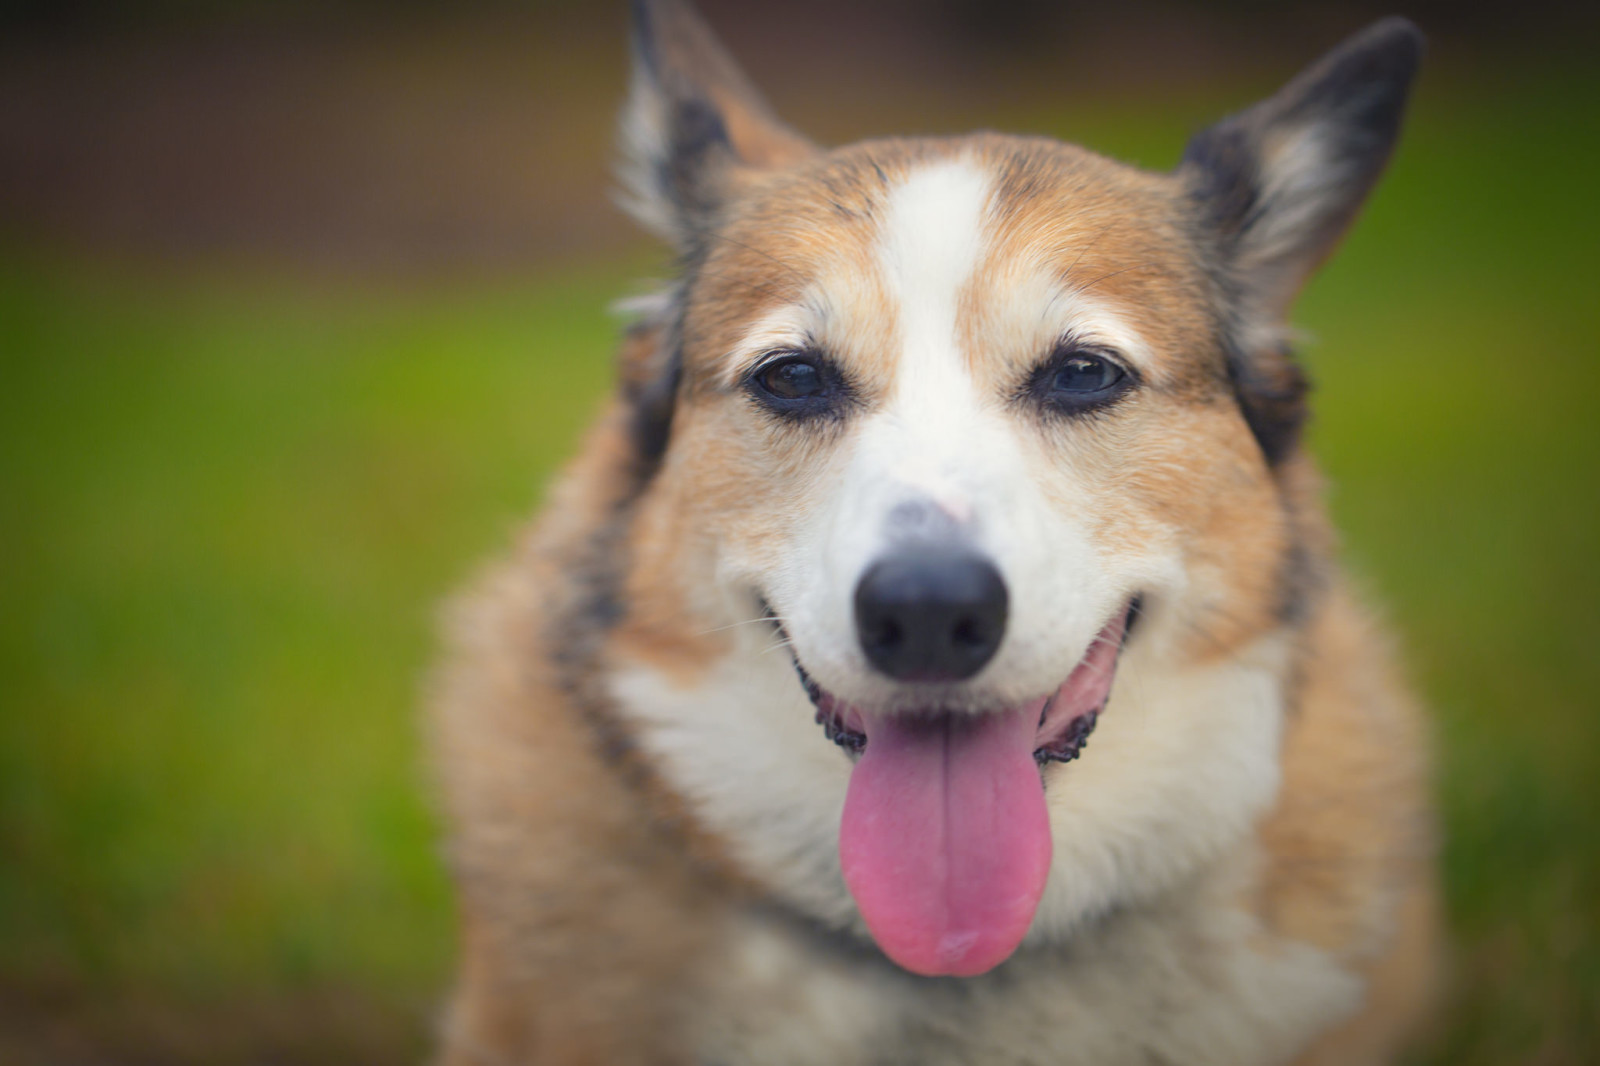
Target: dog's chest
(1174, 984)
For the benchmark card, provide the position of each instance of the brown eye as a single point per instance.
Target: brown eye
(1075, 380)
(792, 379)
(1085, 375)
(799, 385)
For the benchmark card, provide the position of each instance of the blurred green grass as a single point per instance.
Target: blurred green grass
(231, 504)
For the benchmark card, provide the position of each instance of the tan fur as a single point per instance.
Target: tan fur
(605, 918)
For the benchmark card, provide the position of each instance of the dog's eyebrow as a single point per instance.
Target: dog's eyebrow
(790, 326)
(1075, 316)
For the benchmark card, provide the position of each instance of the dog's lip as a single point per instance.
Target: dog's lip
(1061, 738)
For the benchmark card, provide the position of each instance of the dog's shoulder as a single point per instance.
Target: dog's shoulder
(1350, 845)
(577, 910)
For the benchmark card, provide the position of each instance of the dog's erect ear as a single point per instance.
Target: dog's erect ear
(1279, 183)
(693, 123)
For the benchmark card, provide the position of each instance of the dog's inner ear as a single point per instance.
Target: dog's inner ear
(1278, 184)
(693, 124)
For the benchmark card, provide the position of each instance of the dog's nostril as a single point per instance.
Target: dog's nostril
(888, 633)
(931, 614)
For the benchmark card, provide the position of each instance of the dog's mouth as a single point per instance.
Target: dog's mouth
(945, 840)
(1066, 717)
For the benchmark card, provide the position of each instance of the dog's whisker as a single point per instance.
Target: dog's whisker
(1137, 267)
(735, 625)
(1086, 249)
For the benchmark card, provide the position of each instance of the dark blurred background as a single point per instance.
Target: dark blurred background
(301, 304)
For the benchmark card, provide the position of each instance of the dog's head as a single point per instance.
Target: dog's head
(956, 413)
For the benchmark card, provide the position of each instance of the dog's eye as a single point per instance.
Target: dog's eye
(1086, 374)
(1078, 379)
(792, 379)
(799, 385)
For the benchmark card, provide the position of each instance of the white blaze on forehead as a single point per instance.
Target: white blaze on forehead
(932, 239)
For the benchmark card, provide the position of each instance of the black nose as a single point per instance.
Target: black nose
(929, 615)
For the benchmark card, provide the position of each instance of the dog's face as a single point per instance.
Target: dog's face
(952, 413)
(951, 358)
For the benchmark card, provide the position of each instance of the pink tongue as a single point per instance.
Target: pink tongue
(945, 842)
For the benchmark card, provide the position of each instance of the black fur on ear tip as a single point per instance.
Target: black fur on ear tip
(1367, 75)
(1398, 35)
(642, 33)
(655, 21)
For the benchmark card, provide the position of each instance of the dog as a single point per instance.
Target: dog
(937, 653)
